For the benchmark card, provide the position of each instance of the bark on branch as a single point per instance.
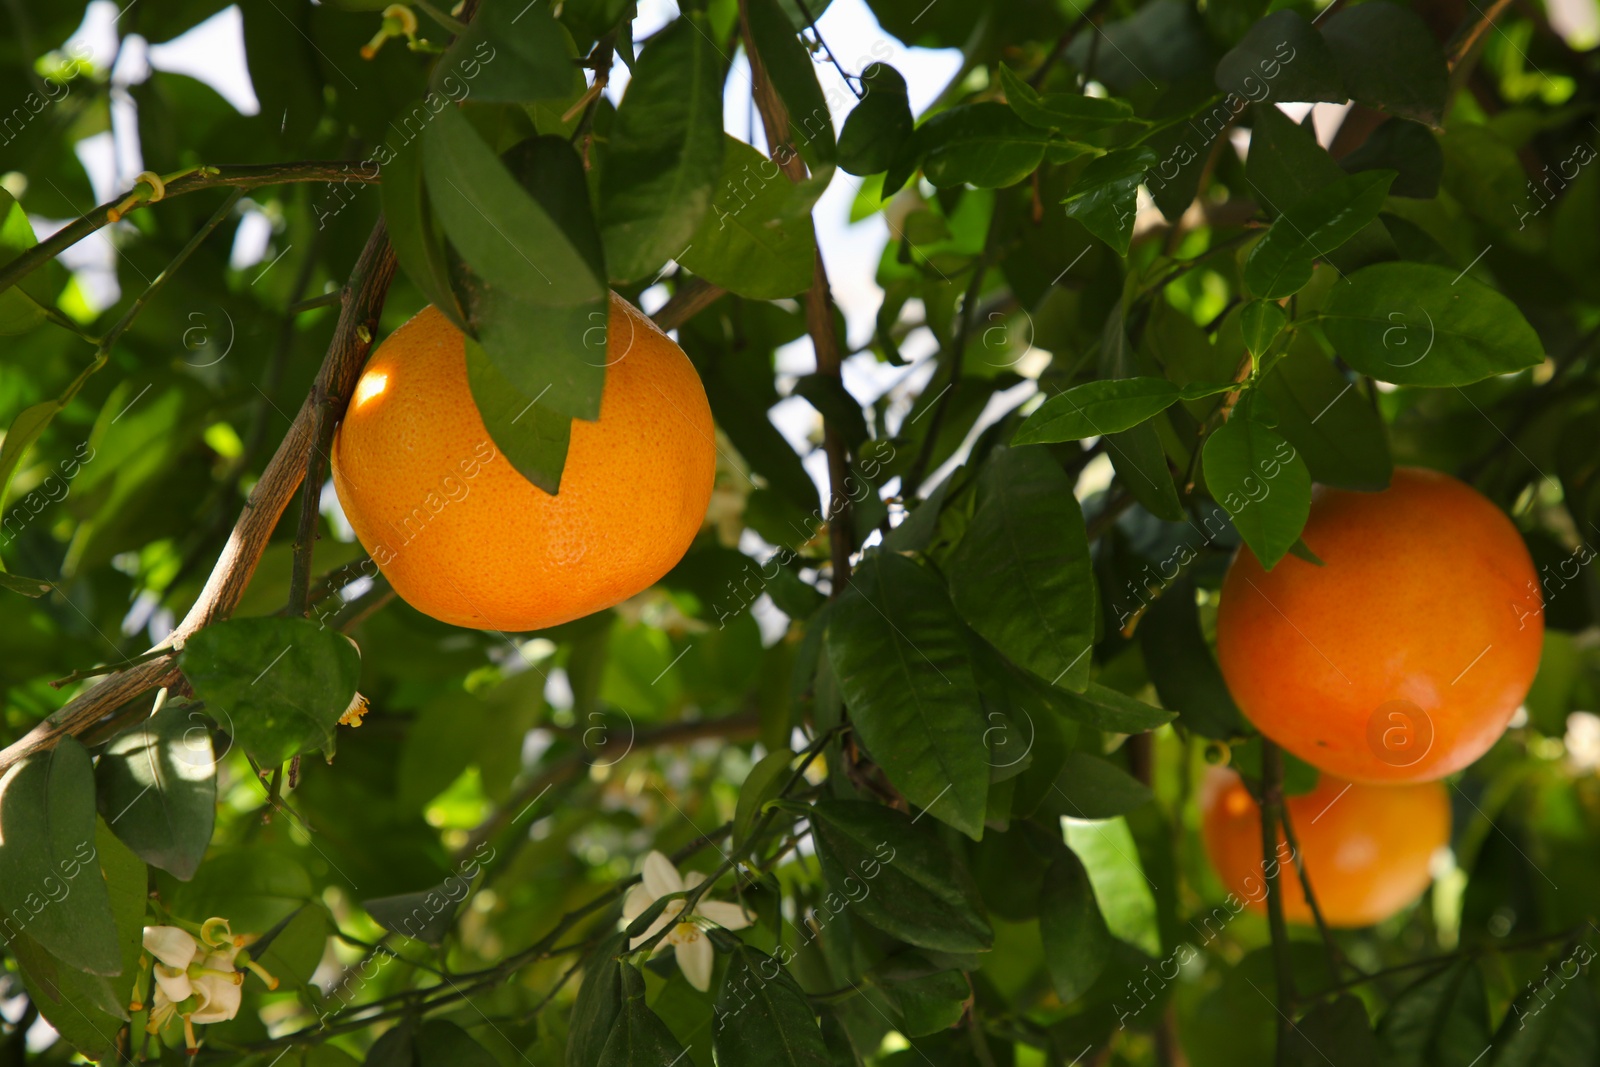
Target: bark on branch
(362, 301)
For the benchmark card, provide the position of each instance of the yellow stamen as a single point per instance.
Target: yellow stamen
(352, 714)
(261, 973)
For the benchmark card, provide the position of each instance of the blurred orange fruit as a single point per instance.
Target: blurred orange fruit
(1366, 848)
(1405, 655)
(465, 538)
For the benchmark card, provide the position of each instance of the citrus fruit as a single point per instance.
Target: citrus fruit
(1366, 848)
(1403, 657)
(464, 537)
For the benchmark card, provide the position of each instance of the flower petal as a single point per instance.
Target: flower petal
(171, 945)
(693, 878)
(172, 982)
(635, 902)
(220, 997)
(726, 915)
(695, 959)
(660, 876)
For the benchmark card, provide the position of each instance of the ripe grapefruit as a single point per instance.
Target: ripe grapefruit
(1405, 655)
(1366, 848)
(465, 538)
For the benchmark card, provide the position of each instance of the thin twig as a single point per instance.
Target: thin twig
(244, 178)
(1271, 809)
(1336, 959)
(958, 348)
(1469, 40)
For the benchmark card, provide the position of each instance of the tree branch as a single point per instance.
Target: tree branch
(820, 322)
(242, 177)
(364, 295)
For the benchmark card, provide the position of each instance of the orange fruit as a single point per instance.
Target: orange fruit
(1405, 655)
(465, 538)
(1366, 848)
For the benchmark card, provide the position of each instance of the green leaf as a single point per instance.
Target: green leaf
(1389, 59)
(86, 1009)
(21, 306)
(296, 947)
(1111, 709)
(29, 587)
(929, 1003)
(763, 1016)
(1309, 229)
(1261, 322)
(1554, 1022)
(757, 240)
(50, 880)
(1097, 408)
(638, 1037)
(1330, 423)
(1074, 114)
(879, 125)
(1121, 888)
(426, 915)
(660, 173)
(833, 402)
(538, 270)
(1336, 1032)
(1285, 161)
(598, 1004)
(23, 432)
(764, 782)
(1180, 662)
(1092, 788)
(900, 655)
(1105, 197)
(444, 1044)
(278, 686)
(418, 244)
(1021, 575)
(1072, 931)
(897, 875)
(395, 1048)
(534, 437)
(256, 887)
(1407, 148)
(1136, 454)
(516, 52)
(984, 144)
(1437, 1021)
(1417, 324)
(157, 787)
(1281, 59)
(1261, 482)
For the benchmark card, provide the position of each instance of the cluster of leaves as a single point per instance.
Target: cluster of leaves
(955, 787)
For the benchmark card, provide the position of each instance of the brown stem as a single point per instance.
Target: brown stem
(692, 297)
(820, 322)
(1475, 32)
(364, 297)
